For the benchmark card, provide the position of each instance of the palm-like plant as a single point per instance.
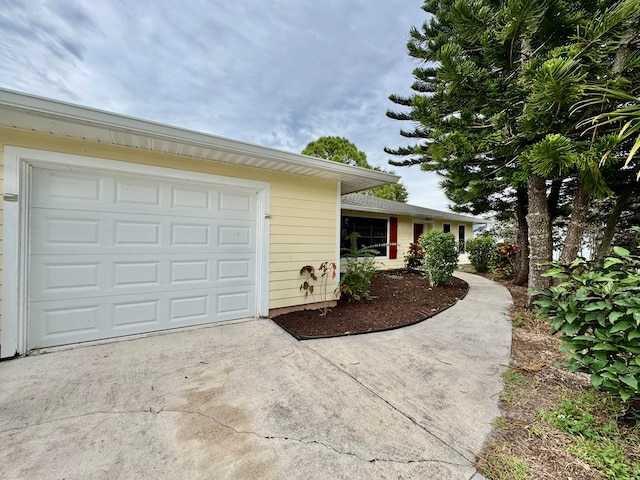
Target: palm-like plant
(626, 117)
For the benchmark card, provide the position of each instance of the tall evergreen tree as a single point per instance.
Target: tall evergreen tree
(493, 107)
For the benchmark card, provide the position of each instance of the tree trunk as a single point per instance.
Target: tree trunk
(554, 199)
(521, 266)
(540, 241)
(577, 225)
(605, 244)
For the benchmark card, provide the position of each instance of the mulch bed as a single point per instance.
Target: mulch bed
(400, 298)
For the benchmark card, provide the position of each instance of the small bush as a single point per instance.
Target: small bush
(596, 310)
(413, 258)
(502, 260)
(480, 251)
(355, 282)
(440, 256)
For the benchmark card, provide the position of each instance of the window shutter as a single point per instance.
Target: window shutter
(393, 238)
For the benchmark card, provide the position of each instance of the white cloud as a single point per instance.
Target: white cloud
(279, 73)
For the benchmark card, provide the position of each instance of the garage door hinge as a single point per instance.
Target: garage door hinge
(10, 197)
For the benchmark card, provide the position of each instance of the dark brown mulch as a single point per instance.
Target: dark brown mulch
(400, 297)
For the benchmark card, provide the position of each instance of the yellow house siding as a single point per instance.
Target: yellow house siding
(303, 209)
(405, 234)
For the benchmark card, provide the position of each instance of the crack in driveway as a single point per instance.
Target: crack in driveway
(150, 410)
(315, 442)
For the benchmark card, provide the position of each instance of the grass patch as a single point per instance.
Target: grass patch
(529, 321)
(501, 424)
(596, 437)
(500, 465)
(514, 384)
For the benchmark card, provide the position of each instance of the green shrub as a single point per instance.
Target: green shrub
(596, 310)
(355, 282)
(502, 260)
(480, 251)
(440, 256)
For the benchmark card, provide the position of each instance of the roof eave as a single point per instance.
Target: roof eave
(430, 215)
(168, 139)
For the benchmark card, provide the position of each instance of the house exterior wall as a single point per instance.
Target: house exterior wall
(405, 234)
(303, 224)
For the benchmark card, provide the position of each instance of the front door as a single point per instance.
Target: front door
(418, 229)
(461, 239)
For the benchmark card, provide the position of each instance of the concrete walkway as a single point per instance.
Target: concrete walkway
(244, 400)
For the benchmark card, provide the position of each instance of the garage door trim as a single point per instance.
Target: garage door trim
(18, 164)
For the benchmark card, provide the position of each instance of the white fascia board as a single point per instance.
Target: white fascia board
(53, 109)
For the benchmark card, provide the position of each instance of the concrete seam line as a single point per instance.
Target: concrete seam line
(406, 415)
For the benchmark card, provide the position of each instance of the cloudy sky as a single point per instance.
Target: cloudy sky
(277, 73)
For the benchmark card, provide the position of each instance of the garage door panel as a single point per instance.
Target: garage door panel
(235, 236)
(56, 278)
(232, 303)
(134, 273)
(235, 270)
(56, 323)
(69, 231)
(68, 189)
(198, 201)
(58, 231)
(130, 233)
(90, 191)
(190, 271)
(130, 193)
(191, 234)
(237, 203)
(104, 275)
(85, 319)
(136, 314)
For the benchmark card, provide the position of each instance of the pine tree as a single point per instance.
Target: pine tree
(494, 107)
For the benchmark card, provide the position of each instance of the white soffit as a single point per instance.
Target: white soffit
(27, 112)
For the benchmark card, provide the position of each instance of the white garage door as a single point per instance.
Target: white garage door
(113, 255)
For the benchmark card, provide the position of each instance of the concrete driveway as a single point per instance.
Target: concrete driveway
(244, 400)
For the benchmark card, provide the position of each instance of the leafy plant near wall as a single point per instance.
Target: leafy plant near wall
(503, 260)
(326, 270)
(596, 311)
(480, 251)
(440, 256)
(355, 282)
(413, 258)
